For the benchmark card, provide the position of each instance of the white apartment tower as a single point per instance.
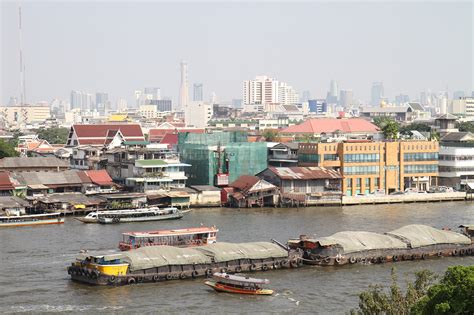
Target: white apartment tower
(183, 90)
(263, 91)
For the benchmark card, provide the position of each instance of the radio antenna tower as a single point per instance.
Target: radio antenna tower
(22, 66)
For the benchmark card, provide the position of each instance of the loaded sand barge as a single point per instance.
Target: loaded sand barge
(159, 263)
(406, 243)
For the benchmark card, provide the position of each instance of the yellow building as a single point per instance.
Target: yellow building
(18, 115)
(367, 166)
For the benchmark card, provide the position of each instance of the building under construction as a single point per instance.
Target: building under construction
(220, 158)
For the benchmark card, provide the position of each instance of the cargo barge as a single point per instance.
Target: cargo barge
(406, 243)
(161, 263)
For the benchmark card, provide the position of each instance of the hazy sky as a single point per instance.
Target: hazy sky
(118, 47)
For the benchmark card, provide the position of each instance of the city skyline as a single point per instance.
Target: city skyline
(403, 60)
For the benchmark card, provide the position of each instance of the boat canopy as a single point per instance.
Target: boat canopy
(229, 251)
(418, 235)
(158, 256)
(238, 279)
(356, 241)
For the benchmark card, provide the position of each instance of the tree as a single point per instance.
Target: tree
(465, 126)
(7, 150)
(270, 135)
(454, 294)
(54, 135)
(421, 127)
(391, 130)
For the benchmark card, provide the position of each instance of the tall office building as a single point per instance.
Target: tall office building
(377, 93)
(87, 102)
(153, 93)
(197, 92)
(346, 98)
(317, 106)
(332, 96)
(402, 98)
(458, 95)
(183, 90)
(102, 101)
(305, 96)
(76, 99)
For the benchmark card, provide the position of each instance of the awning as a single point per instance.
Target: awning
(470, 185)
(38, 186)
(79, 206)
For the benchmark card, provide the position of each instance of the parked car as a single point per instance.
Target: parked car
(397, 193)
(410, 191)
(378, 192)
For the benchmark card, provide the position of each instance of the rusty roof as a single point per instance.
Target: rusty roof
(245, 182)
(299, 172)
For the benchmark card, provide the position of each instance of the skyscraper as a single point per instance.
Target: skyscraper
(377, 93)
(102, 101)
(333, 93)
(458, 95)
(183, 90)
(306, 95)
(197, 92)
(153, 93)
(346, 98)
(76, 99)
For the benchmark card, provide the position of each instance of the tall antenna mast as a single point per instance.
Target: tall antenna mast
(22, 66)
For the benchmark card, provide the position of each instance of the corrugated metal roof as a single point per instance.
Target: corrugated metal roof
(100, 177)
(69, 177)
(245, 182)
(299, 172)
(32, 162)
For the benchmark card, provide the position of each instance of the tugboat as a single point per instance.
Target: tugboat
(239, 283)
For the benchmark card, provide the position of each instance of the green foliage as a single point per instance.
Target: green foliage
(54, 135)
(381, 121)
(454, 294)
(7, 149)
(377, 301)
(465, 126)
(389, 127)
(405, 130)
(270, 135)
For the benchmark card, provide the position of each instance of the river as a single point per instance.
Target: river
(33, 262)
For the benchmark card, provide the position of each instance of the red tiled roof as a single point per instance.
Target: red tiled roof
(171, 139)
(100, 177)
(328, 125)
(96, 134)
(305, 173)
(5, 183)
(155, 135)
(245, 182)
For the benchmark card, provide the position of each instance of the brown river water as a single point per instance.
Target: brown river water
(33, 261)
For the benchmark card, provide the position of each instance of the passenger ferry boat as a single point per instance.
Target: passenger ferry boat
(33, 219)
(240, 284)
(179, 237)
(132, 215)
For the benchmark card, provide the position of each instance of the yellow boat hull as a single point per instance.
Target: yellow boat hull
(223, 288)
(110, 270)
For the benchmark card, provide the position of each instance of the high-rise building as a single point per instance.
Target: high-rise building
(197, 92)
(183, 90)
(153, 93)
(264, 91)
(377, 93)
(332, 96)
(87, 102)
(76, 99)
(317, 106)
(402, 98)
(346, 98)
(305, 96)
(102, 101)
(164, 105)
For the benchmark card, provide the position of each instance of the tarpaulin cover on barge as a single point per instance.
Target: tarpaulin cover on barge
(418, 235)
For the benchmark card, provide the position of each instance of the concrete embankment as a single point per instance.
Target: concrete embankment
(408, 198)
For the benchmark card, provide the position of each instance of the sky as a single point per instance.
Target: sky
(119, 47)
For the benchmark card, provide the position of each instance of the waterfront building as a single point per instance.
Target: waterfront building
(367, 166)
(220, 158)
(197, 92)
(148, 168)
(307, 185)
(456, 160)
(248, 191)
(332, 127)
(103, 134)
(377, 93)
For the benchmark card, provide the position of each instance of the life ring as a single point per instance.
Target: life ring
(238, 269)
(455, 252)
(276, 264)
(284, 263)
(139, 279)
(264, 267)
(182, 275)
(352, 260)
(95, 274)
(440, 253)
(194, 274)
(462, 252)
(326, 260)
(294, 263)
(382, 259)
(395, 258)
(468, 251)
(423, 256)
(374, 260)
(169, 276)
(338, 259)
(111, 279)
(131, 281)
(209, 272)
(253, 267)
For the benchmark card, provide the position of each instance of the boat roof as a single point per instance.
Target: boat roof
(186, 231)
(141, 210)
(240, 278)
(31, 215)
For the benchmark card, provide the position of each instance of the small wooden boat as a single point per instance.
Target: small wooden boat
(238, 283)
(178, 237)
(33, 219)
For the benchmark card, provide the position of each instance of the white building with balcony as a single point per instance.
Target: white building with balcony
(456, 160)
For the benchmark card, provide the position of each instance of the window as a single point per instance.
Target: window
(425, 156)
(367, 182)
(358, 181)
(308, 157)
(421, 168)
(371, 157)
(376, 181)
(331, 157)
(361, 170)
